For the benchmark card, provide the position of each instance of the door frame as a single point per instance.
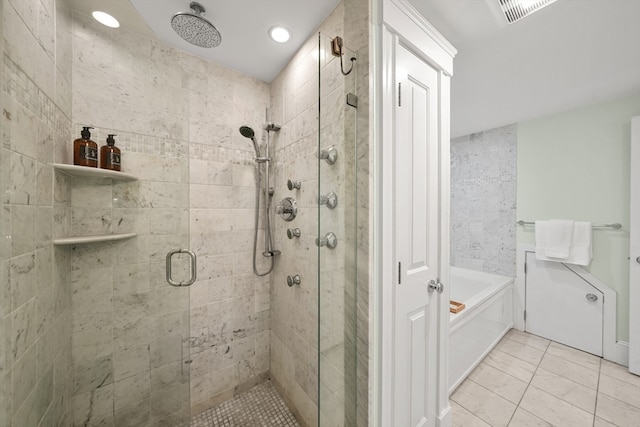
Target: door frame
(397, 22)
(634, 249)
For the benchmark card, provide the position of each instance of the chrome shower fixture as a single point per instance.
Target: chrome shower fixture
(195, 28)
(269, 127)
(293, 280)
(247, 132)
(330, 200)
(329, 240)
(295, 184)
(330, 155)
(293, 232)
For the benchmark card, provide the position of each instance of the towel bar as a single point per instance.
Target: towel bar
(615, 226)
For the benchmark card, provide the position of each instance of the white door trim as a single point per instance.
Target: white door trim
(634, 250)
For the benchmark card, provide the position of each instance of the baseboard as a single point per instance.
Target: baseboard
(621, 354)
(444, 419)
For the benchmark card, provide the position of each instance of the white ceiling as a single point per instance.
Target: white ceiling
(244, 25)
(569, 54)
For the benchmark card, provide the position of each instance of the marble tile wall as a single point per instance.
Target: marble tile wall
(483, 201)
(35, 299)
(294, 316)
(135, 342)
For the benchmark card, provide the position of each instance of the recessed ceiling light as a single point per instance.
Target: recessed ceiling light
(279, 34)
(105, 19)
(515, 10)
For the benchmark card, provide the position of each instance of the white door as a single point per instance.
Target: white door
(416, 242)
(634, 261)
(562, 306)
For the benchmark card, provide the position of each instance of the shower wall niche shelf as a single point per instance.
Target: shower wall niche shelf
(84, 171)
(87, 172)
(92, 239)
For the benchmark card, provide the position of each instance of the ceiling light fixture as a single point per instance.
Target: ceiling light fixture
(279, 34)
(515, 10)
(105, 19)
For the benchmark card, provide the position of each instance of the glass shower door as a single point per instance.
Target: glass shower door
(337, 225)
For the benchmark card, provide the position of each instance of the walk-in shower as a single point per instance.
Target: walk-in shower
(267, 192)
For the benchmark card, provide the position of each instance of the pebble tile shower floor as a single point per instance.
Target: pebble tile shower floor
(261, 406)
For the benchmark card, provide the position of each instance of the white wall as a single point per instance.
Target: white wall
(575, 165)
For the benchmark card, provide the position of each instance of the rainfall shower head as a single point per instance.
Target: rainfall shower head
(194, 28)
(247, 132)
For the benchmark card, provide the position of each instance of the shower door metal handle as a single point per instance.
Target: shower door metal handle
(193, 274)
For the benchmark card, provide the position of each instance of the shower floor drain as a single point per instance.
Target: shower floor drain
(261, 406)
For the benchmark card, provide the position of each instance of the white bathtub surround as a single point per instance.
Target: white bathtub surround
(529, 380)
(483, 201)
(487, 316)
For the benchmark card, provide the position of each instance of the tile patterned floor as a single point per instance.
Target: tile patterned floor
(531, 381)
(261, 406)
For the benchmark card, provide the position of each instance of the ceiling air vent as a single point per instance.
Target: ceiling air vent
(515, 10)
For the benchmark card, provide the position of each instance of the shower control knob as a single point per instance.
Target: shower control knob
(287, 209)
(293, 232)
(330, 155)
(331, 200)
(293, 280)
(293, 184)
(329, 240)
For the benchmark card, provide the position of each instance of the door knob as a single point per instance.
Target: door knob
(434, 285)
(638, 260)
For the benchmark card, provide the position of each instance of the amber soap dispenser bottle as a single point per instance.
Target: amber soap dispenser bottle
(110, 155)
(85, 151)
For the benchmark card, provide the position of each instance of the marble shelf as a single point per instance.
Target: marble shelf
(91, 239)
(74, 170)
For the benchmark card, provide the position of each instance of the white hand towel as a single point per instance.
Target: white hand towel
(582, 244)
(559, 238)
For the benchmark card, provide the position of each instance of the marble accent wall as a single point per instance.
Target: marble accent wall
(135, 341)
(297, 335)
(35, 299)
(483, 201)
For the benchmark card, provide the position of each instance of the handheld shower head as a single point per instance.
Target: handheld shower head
(247, 132)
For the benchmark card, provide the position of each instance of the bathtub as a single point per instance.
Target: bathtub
(487, 316)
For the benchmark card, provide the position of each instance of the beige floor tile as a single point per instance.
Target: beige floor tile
(463, 418)
(521, 351)
(511, 365)
(576, 356)
(524, 418)
(618, 371)
(553, 410)
(528, 339)
(567, 390)
(570, 370)
(620, 389)
(499, 382)
(617, 412)
(484, 403)
(599, 422)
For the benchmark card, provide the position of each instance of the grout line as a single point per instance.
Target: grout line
(595, 405)
(529, 384)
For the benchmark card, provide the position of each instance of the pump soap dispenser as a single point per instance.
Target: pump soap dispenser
(85, 151)
(110, 155)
